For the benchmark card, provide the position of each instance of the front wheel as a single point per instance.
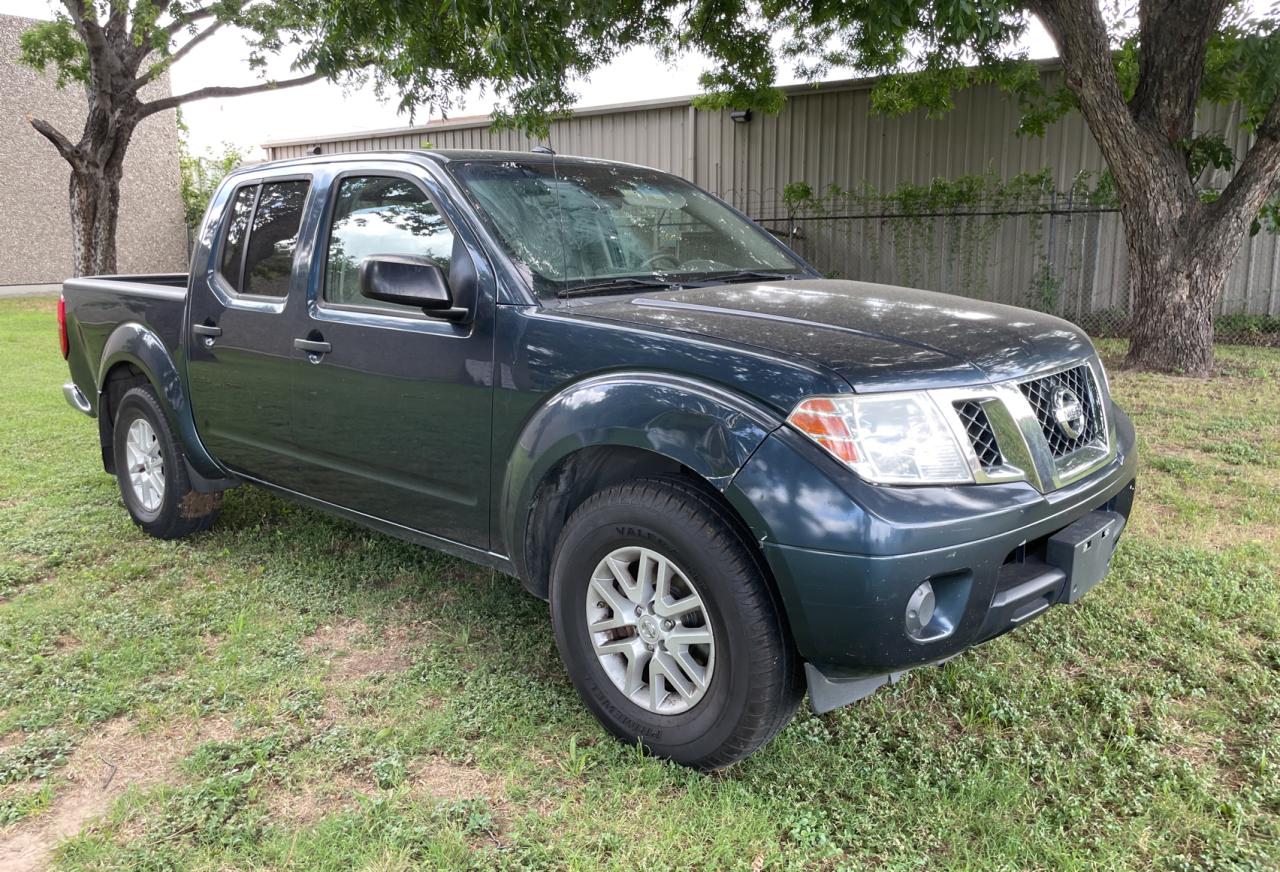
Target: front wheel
(668, 627)
(151, 471)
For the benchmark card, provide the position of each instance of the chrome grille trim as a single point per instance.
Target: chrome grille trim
(1026, 450)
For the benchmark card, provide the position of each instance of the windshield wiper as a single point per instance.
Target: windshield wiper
(618, 285)
(744, 275)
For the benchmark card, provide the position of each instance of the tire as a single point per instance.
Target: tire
(156, 489)
(750, 670)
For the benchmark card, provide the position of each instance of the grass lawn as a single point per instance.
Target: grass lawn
(293, 692)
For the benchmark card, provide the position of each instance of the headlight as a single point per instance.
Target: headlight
(899, 438)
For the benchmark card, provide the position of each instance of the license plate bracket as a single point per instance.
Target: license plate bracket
(1083, 551)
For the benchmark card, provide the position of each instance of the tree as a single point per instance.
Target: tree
(525, 51)
(200, 175)
(1137, 76)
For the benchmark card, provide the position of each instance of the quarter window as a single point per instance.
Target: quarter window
(257, 257)
(237, 231)
(380, 215)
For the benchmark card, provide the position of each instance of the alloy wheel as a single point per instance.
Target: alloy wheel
(650, 630)
(146, 464)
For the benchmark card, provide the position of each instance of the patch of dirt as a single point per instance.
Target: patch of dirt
(303, 804)
(444, 779)
(112, 758)
(12, 740)
(1193, 748)
(387, 651)
(67, 643)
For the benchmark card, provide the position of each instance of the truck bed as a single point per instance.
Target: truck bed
(98, 305)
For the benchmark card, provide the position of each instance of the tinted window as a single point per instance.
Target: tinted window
(237, 225)
(273, 238)
(380, 215)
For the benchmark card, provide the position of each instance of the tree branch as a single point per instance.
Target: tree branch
(1083, 44)
(193, 42)
(75, 8)
(95, 41)
(1257, 180)
(1173, 40)
(165, 63)
(51, 133)
(89, 29)
(141, 26)
(225, 91)
(116, 21)
(186, 19)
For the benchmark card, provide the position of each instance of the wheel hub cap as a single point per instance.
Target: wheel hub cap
(146, 464)
(650, 630)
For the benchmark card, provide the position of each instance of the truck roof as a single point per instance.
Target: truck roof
(437, 156)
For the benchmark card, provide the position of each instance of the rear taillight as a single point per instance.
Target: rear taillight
(62, 327)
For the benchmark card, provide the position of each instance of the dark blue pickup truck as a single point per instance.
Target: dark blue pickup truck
(733, 480)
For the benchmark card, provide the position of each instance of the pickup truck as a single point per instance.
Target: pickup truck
(734, 480)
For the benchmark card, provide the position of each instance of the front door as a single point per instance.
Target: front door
(391, 407)
(239, 346)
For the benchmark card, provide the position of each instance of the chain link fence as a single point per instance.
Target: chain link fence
(1058, 253)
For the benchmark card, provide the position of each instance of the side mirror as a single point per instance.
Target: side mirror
(410, 281)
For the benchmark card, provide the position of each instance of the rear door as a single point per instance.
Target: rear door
(240, 347)
(392, 416)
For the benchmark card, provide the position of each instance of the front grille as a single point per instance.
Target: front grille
(1043, 394)
(978, 426)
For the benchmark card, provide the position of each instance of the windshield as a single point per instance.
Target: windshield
(579, 225)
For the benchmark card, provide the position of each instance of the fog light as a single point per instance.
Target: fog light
(920, 612)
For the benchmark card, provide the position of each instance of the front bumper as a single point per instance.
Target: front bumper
(993, 553)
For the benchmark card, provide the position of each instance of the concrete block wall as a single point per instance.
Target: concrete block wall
(35, 227)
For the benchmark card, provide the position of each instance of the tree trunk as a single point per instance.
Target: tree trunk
(96, 170)
(1180, 257)
(1171, 323)
(95, 207)
(1173, 284)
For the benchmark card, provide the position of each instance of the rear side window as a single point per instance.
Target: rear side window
(237, 230)
(261, 260)
(380, 215)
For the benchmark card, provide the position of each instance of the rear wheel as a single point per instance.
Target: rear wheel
(152, 473)
(668, 627)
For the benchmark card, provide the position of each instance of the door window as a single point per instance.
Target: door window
(257, 256)
(380, 215)
(269, 259)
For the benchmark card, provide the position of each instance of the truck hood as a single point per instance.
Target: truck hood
(877, 337)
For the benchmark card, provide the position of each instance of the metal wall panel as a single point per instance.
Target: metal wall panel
(827, 135)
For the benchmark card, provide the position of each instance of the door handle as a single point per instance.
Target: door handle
(312, 346)
(206, 330)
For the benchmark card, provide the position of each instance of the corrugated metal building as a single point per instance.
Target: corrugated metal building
(826, 135)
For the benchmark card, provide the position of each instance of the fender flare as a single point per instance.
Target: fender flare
(136, 344)
(702, 426)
